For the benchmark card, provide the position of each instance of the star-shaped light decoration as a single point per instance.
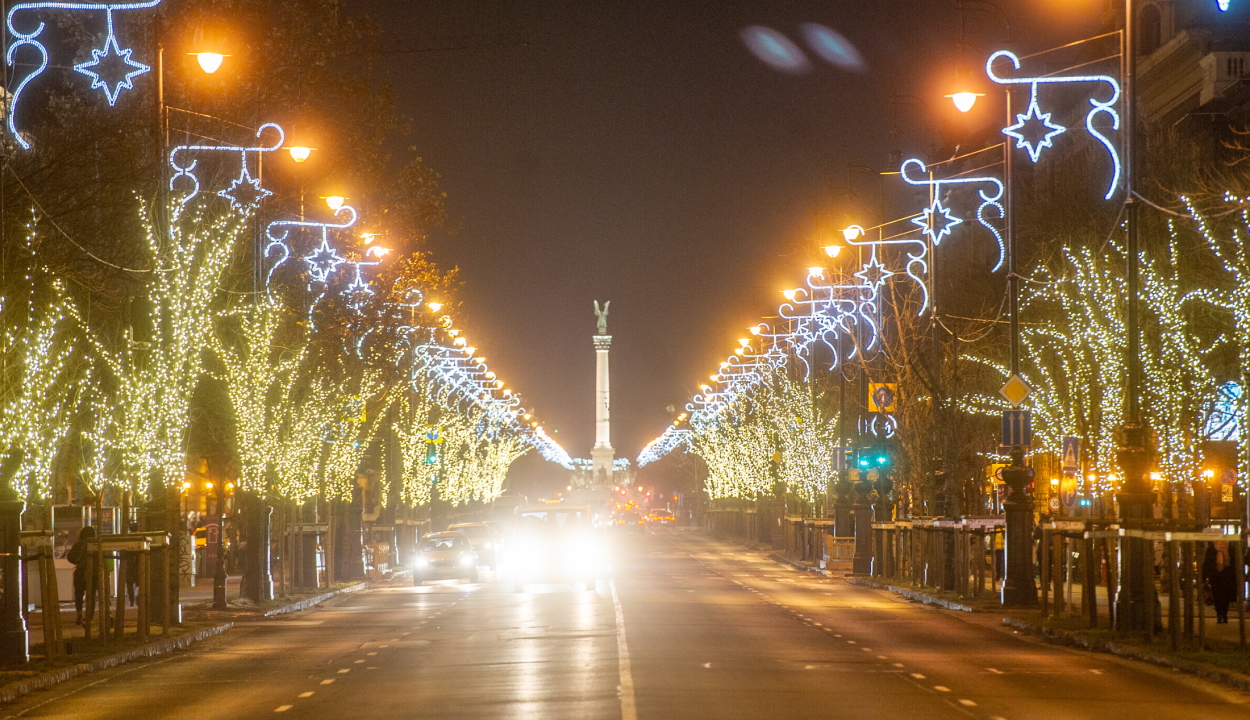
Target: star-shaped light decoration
(109, 63)
(245, 192)
(874, 274)
(1040, 130)
(936, 221)
(323, 261)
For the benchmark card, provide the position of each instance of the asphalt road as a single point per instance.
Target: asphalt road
(687, 628)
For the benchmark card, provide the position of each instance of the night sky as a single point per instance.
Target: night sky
(638, 152)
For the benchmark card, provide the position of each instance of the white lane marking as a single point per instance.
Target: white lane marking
(898, 664)
(283, 708)
(327, 682)
(306, 694)
(358, 661)
(995, 671)
(372, 653)
(345, 670)
(629, 710)
(707, 665)
(850, 642)
(918, 676)
(941, 688)
(1096, 672)
(967, 703)
(882, 657)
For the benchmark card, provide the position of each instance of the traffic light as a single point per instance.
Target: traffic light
(431, 453)
(873, 458)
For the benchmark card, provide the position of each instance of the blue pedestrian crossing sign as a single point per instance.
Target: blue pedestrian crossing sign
(1017, 428)
(1071, 454)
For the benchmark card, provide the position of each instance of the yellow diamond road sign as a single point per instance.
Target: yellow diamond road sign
(1016, 390)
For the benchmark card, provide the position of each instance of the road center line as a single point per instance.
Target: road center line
(629, 710)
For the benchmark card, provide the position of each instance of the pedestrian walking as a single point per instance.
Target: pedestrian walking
(130, 559)
(1221, 580)
(84, 564)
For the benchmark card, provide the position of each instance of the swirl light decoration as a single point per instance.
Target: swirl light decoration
(936, 221)
(104, 58)
(1025, 131)
(245, 191)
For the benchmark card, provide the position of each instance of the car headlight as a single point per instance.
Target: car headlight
(486, 546)
(466, 559)
(422, 562)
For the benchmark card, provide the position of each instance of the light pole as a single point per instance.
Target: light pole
(1135, 499)
(1019, 588)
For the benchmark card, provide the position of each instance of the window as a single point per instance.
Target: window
(1150, 27)
(1235, 67)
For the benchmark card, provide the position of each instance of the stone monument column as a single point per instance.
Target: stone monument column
(602, 454)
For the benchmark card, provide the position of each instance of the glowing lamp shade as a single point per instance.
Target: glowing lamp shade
(744, 341)
(833, 250)
(852, 233)
(210, 62)
(755, 330)
(334, 202)
(299, 153)
(434, 306)
(789, 294)
(964, 100)
(812, 271)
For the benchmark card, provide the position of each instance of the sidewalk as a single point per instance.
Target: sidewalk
(192, 597)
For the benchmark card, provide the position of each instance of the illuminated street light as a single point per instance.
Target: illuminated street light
(210, 62)
(965, 100)
(815, 271)
(789, 294)
(334, 202)
(852, 233)
(299, 153)
(434, 306)
(832, 250)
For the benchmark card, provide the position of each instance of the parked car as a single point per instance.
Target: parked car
(484, 539)
(445, 555)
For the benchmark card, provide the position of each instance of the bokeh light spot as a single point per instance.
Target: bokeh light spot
(775, 49)
(832, 47)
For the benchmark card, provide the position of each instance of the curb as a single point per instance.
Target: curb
(864, 582)
(912, 595)
(1065, 637)
(799, 565)
(316, 600)
(13, 691)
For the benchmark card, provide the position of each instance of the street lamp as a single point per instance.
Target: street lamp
(964, 100)
(334, 202)
(299, 153)
(210, 62)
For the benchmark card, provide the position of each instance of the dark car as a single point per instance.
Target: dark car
(444, 555)
(484, 539)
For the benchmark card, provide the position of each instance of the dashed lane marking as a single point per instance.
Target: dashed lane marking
(283, 708)
(967, 703)
(996, 671)
(941, 688)
(327, 682)
(918, 676)
(306, 694)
